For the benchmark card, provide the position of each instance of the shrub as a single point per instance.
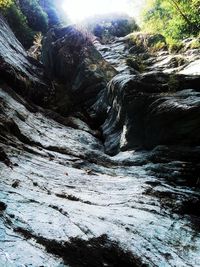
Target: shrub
(146, 42)
(158, 46)
(26, 18)
(37, 19)
(195, 44)
(50, 8)
(174, 45)
(18, 24)
(35, 50)
(175, 19)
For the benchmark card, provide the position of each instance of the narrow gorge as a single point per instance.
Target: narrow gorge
(99, 152)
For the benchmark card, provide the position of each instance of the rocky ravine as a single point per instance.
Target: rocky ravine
(63, 200)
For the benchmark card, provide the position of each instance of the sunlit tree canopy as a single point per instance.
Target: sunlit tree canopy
(5, 3)
(175, 19)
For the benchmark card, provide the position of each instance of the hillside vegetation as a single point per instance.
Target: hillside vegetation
(28, 17)
(176, 20)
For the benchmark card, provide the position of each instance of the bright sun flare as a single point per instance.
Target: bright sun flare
(78, 10)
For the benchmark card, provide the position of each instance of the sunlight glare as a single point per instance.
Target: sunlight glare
(78, 10)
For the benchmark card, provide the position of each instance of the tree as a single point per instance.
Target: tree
(36, 17)
(175, 19)
(25, 18)
(185, 16)
(50, 8)
(18, 23)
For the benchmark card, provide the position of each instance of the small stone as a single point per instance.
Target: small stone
(88, 171)
(3, 206)
(8, 163)
(15, 184)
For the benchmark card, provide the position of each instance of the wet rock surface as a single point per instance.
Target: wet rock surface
(65, 202)
(70, 56)
(152, 107)
(88, 209)
(19, 70)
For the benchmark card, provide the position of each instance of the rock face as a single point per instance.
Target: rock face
(141, 42)
(63, 200)
(86, 209)
(148, 108)
(17, 68)
(143, 114)
(70, 56)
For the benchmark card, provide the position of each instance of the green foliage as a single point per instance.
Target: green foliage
(26, 18)
(195, 44)
(50, 8)
(158, 46)
(36, 17)
(175, 19)
(174, 45)
(5, 3)
(146, 41)
(18, 24)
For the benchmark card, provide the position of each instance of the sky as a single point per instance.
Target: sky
(78, 10)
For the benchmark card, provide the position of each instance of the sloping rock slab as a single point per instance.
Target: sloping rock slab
(64, 203)
(144, 113)
(17, 68)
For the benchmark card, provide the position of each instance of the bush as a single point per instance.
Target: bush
(50, 8)
(37, 19)
(175, 19)
(174, 45)
(26, 18)
(18, 24)
(35, 50)
(158, 46)
(140, 41)
(195, 44)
